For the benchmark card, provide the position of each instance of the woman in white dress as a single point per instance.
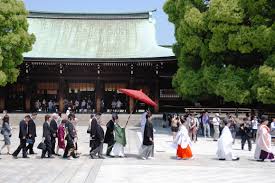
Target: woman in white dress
(263, 142)
(225, 141)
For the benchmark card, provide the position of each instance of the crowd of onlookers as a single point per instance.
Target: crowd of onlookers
(77, 106)
(45, 106)
(116, 105)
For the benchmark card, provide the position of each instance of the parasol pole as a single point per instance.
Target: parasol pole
(131, 113)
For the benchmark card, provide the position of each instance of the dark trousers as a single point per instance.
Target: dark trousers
(97, 150)
(69, 147)
(30, 147)
(53, 141)
(22, 146)
(254, 134)
(110, 147)
(92, 145)
(48, 149)
(244, 139)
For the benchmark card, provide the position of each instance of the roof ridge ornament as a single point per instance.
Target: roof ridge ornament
(151, 18)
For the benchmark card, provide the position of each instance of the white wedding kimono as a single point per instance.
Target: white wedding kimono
(182, 138)
(263, 143)
(225, 145)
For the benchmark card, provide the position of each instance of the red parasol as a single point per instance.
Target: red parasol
(138, 95)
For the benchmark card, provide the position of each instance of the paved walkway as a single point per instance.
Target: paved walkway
(164, 168)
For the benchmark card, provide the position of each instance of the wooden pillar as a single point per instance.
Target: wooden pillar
(98, 94)
(156, 95)
(2, 99)
(131, 100)
(61, 95)
(28, 93)
(156, 88)
(28, 90)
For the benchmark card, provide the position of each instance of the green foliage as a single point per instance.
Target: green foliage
(225, 48)
(14, 39)
(266, 85)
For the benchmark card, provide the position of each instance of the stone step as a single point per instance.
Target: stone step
(15, 118)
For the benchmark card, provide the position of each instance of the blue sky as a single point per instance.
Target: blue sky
(165, 30)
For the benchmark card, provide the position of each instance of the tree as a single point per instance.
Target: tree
(14, 39)
(224, 48)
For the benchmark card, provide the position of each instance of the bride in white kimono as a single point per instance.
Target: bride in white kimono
(225, 141)
(263, 142)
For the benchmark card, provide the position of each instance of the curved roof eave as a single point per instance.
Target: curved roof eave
(100, 60)
(87, 15)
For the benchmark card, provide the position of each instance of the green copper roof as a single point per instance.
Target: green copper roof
(61, 35)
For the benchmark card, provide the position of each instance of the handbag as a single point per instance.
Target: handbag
(41, 146)
(29, 141)
(2, 131)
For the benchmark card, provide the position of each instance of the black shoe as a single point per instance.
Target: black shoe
(15, 157)
(42, 157)
(26, 157)
(236, 159)
(101, 157)
(222, 159)
(92, 156)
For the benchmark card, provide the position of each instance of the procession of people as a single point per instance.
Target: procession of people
(60, 132)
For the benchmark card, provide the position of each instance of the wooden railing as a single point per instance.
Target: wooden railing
(220, 110)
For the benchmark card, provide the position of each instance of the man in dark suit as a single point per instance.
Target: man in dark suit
(54, 127)
(31, 133)
(23, 131)
(47, 133)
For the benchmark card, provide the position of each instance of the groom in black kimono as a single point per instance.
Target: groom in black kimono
(109, 136)
(98, 138)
